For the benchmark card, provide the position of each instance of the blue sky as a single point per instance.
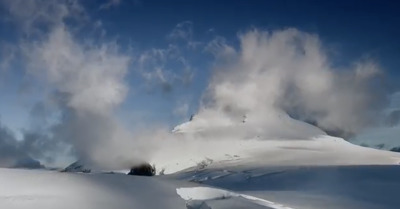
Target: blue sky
(181, 30)
(356, 28)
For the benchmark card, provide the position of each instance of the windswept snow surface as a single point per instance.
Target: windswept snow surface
(313, 187)
(230, 166)
(277, 140)
(22, 189)
(318, 151)
(324, 172)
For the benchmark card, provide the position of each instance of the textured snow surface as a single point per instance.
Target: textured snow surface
(206, 193)
(306, 187)
(22, 189)
(321, 150)
(319, 173)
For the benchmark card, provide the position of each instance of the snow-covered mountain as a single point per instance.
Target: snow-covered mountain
(225, 165)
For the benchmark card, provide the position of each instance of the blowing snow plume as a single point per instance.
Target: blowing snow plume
(83, 82)
(89, 85)
(287, 73)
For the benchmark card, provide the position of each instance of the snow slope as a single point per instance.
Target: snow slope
(276, 140)
(324, 172)
(50, 189)
(309, 187)
(233, 167)
(322, 150)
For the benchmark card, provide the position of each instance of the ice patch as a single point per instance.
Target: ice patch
(191, 194)
(203, 193)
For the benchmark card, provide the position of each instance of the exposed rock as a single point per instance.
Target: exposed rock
(77, 167)
(395, 149)
(144, 169)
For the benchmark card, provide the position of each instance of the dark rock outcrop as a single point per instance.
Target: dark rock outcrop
(395, 149)
(144, 169)
(77, 167)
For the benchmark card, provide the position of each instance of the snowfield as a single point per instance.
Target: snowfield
(323, 151)
(323, 172)
(52, 189)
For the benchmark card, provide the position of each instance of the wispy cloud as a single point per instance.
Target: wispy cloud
(183, 30)
(36, 17)
(110, 3)
(219, 48)
(165, 67)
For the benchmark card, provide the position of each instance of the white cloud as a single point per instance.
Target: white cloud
(85, 81)
(91, 74)
(288, 71)
(89, 81)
